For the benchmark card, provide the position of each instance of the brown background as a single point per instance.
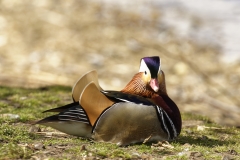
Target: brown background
(54, 42)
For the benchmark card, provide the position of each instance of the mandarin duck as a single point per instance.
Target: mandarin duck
(141, 112)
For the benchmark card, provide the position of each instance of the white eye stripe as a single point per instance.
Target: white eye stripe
(143, 67)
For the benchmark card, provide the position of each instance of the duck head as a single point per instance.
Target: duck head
(149, 80)
(152, 75)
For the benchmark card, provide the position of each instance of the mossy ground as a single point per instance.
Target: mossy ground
(199, 139)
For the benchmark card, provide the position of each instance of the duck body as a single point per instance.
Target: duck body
(137, 120)
(138, 113)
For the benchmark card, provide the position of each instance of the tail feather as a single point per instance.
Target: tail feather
(53, 118)
(70, 112)
(74, 128)
(62, 108)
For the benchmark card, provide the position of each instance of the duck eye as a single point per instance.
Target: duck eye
(145, 72)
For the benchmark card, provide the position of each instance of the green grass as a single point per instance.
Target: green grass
(18, 142)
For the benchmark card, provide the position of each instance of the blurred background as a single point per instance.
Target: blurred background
(54, 42)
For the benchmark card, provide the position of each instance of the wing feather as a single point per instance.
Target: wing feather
(82, 82)
(93, 102)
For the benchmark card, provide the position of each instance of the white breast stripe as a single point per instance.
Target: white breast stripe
(160, 112)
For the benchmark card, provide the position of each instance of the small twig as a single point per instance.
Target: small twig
(52, 133)
(145, 140)
(200, 128)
